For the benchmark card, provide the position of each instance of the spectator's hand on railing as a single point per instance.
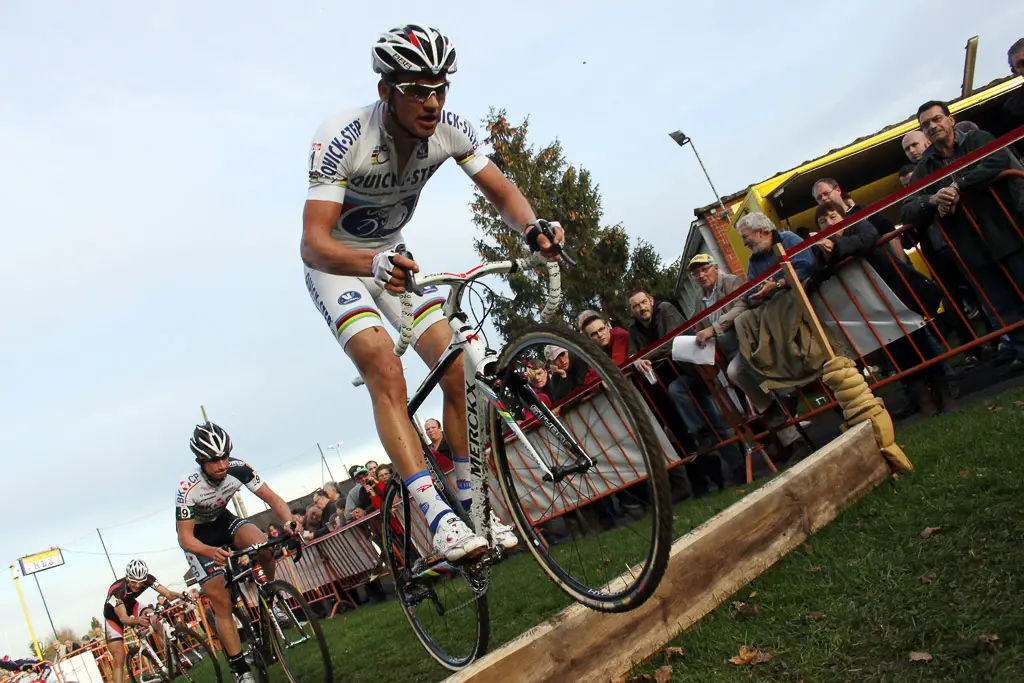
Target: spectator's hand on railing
(945, 200)
(358, 513)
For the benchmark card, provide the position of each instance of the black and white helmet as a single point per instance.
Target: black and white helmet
(136, 570)
(414, 49)
(210, 442)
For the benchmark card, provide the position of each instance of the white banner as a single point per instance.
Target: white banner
(874, 307)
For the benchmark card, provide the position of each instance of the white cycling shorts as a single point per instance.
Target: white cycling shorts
(352, 304)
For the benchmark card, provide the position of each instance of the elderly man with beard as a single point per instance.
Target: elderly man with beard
(990, 246)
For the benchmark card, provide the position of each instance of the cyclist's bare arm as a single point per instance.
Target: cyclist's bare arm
(169, 594)
(514, 208)
(323, 252)
(277, 504)
(122, 614)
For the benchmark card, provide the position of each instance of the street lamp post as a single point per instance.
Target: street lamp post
(681, 139)
(336, 447)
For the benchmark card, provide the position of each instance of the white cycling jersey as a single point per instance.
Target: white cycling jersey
(353, 162)
(203, 501)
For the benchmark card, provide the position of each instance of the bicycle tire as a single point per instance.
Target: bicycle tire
(652, 569)
(291, 592)
(155, 664)
(174, 666)
(257, 648)
(409, 593)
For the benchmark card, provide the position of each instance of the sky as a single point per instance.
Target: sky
(153, 163)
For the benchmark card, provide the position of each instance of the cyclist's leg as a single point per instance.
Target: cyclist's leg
(113, 631)
(245, 534)
(224, 619)
(354, 318)
(211, 582)
(432, 343)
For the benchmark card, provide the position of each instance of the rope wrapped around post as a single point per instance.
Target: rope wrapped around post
(841, 376)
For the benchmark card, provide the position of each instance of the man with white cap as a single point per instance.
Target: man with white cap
(565, 376)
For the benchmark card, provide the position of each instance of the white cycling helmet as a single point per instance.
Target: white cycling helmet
(137, 570)
(210, 442)
(414, 49)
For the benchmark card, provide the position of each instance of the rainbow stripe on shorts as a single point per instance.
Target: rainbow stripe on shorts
(353, 316)
(426, 309)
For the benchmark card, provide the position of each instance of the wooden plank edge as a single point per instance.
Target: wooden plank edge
(752, 534)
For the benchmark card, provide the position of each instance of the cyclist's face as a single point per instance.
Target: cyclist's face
(421, 118)
(216, 469)
(134, 586)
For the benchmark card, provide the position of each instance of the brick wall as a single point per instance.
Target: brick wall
(720, 227)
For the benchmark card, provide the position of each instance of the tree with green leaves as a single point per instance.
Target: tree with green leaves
(606, 265)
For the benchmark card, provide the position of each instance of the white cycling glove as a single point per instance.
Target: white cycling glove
(383, 265)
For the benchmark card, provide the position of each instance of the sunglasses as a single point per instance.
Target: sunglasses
(421, 92)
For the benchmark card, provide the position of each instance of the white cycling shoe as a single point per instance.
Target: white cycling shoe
(503, 534)
(247, 677)
(455, 541)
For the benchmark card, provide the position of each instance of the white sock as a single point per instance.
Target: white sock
(463, 485)
(426, 497)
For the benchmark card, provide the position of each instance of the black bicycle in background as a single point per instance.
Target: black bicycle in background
(180, 652)
(285, 631)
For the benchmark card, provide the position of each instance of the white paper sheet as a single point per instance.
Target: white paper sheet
(685, 350)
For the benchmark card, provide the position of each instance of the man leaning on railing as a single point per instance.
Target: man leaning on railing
(985, 236)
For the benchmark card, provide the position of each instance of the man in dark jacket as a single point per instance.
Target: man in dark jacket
(990, 245)
(653, 320)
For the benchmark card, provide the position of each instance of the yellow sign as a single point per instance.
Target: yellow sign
(48, 559)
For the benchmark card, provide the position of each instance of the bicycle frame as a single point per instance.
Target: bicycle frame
(480, 377)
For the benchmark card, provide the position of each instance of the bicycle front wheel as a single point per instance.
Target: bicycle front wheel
(445, 605)
(295, 635)
(144, 667)
(192, 657)
(587, 489)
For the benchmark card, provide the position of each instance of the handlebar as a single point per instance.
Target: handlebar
(459, 281)
(237, 576)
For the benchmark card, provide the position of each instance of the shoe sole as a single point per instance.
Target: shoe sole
(471, 552)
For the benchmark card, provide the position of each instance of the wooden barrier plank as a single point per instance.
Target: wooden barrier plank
(706, 567)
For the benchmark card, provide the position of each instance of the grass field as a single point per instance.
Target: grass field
(852, 605)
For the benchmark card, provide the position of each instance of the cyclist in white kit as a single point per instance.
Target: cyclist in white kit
(367, 167)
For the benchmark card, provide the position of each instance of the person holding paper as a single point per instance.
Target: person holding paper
(654, 320)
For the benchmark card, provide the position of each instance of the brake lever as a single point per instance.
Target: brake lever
(549, 232)
(410, 280)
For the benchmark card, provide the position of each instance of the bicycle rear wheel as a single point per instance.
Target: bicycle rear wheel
(192, 657)
(295, 635)
(589, 491)
(446, 606)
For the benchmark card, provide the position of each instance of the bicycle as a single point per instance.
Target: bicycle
(186, 653)
(44, 673)
(284, 621)
(497, 395)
